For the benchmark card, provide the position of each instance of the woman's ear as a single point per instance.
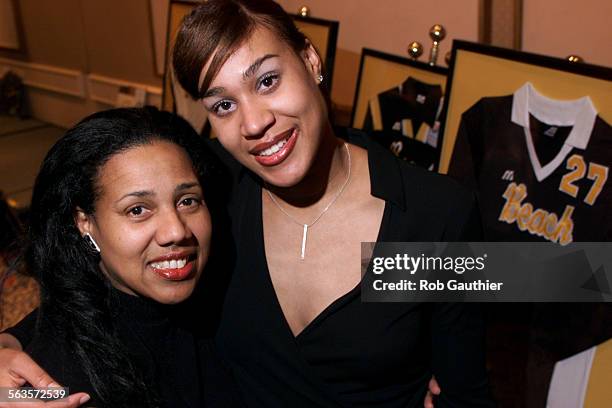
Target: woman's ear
(82, 221)
(312, 60)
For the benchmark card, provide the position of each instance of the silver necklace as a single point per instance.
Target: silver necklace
(327, 207)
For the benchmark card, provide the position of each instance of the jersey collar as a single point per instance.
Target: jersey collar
(579, 113)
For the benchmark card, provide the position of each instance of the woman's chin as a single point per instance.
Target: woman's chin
(286, 177)
(172, 296)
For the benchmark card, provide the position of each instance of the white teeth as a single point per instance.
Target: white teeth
(172, 264)
(273, 149)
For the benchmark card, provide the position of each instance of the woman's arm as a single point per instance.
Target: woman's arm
(433, 390)
(457, 329)
(9, 341)
(22, 333)
(458, 355)
(17, 368)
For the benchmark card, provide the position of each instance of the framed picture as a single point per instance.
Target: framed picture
(158, 11)
(531, 135)
(399, 102)
(174, 98)
(324, 36)
(11, 37)
(480, 71)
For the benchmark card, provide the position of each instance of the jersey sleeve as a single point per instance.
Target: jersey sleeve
(465, 161)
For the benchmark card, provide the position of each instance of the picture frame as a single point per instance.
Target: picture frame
(379, 71)
(479, 70)
(11, 31)
(380, 80)
(158, 16)
(324, 36)
(174, 97)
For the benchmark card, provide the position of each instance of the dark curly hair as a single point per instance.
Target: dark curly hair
(74, 291)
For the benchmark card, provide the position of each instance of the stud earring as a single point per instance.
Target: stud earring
(91, 242)
(319, 79)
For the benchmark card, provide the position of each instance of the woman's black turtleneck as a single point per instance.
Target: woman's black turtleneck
(182, 367)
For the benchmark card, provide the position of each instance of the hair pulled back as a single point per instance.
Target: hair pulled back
(216, 28)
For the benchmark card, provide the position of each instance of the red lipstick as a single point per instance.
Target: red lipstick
(174, 274)
(280, 155)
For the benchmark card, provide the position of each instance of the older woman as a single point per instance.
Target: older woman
(304, 197)
(116, 241)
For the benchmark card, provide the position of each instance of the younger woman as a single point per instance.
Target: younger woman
(305, 197)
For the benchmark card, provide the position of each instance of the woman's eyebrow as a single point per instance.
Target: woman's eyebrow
(255, 65)
(186, 186)
(139, 194)
(213, 91)
(250, 71)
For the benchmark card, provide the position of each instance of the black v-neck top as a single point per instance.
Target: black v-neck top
(353, 354)
(356, 354)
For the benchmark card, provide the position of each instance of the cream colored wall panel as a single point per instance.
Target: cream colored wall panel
(53, 31)
(51, 78)
(105, 90)
(119, 40)
(58, 109)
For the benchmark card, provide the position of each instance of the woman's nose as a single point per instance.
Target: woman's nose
(256, 119)
(172, 229)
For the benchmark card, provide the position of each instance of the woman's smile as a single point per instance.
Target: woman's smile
(174, 266)
(275, 152)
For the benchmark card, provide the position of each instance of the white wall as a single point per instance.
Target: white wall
(563, 27)
(387, 25)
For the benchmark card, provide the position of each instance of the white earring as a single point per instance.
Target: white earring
(91, 242)
(319, 78)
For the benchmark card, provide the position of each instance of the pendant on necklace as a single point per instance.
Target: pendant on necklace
(304, 236)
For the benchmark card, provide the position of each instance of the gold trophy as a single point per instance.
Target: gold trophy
(304, 11)
(437, 34)
(415, 50)
(574, 58)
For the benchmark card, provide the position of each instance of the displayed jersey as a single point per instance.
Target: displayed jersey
(540, 167)
(405, 120)
(583, 380)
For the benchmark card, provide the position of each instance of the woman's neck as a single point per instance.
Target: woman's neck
(327, 173)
